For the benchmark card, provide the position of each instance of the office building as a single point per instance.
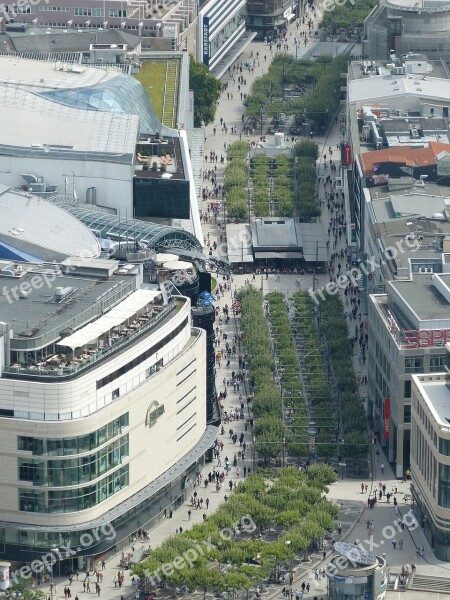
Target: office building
(408, 327)
(222, 36)
(430, 459)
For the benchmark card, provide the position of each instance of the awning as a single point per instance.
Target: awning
(290, 17)
(119, 314)
(297, 255)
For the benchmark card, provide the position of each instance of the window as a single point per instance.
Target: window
(89, 12)
(437, 363)
(75, 445)
(414, 364)
(142, 357)
(407, 389)
(115, 394)
(444, 446)
(444, 486)
(407, 413)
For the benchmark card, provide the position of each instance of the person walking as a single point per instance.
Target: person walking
(382, 468)
(339, 528)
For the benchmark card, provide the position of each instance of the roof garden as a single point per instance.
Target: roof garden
(160, 78)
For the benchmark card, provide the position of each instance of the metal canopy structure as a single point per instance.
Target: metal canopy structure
(138, 300)
(113, 227)
(355, 554)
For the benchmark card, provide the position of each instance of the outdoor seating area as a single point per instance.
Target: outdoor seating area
(93, 341)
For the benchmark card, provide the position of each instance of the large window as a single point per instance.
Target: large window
(75, 445)
(67, 501)
(437, 363)
(444, 486)
(444, 446)
(414, 364)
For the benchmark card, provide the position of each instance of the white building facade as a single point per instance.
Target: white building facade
(107, 434)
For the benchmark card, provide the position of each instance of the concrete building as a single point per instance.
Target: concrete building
(397, 126)
(159, 26)
(222, 35)
(409, 326)
(402, 26)
(430, 459)
(102, 407)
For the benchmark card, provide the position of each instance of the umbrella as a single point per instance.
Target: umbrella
(177, 265)
(162, 257)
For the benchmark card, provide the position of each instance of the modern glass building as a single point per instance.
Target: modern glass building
(121, 93)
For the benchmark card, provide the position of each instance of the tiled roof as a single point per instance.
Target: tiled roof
(411, 156)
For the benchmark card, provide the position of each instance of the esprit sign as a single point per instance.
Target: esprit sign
(425, 338)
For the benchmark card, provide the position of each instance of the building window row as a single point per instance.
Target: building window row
(74, 445)
(20, 10)
(69, 501)
(89, 12)
(437, 363)
(142, 357)
(74, 471)
(54, 8)
(114, 12)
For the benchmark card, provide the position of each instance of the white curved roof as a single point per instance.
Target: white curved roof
(30, 220)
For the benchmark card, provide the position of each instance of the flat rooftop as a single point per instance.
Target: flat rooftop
(48, 75)
(438, 395)
(39, 313)
(422, 297)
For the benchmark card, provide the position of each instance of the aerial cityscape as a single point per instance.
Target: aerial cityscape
(225, 299)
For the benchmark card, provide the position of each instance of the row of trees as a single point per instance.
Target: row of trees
(272, 183)
(236, 180)
(323, 404)
(232, 557)
(288, 368)
(306, 154)
(333, 325)
(267, 404)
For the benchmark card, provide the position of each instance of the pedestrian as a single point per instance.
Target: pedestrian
(362, 488)
(382, 467)
(189, 515)
(400, 545)
(339, 528)
(394, 543)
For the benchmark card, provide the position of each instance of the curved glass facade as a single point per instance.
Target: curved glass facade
(122, 94)
(152, 235)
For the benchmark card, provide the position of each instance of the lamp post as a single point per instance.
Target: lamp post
(53, 550)
(288, 544)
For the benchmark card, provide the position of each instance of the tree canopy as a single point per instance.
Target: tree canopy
(206, 92)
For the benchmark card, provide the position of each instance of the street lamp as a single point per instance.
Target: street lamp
(288, 544)
(55, 550)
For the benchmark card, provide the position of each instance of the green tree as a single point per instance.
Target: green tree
(206, 92)
(22, 589)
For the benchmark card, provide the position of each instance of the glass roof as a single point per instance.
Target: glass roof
(122, 94)
(152, 235)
